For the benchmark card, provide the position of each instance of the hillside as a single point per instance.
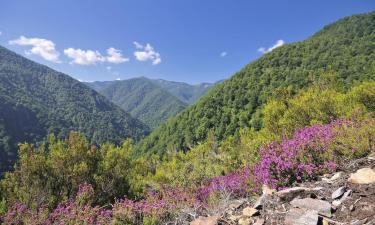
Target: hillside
(185, 92)
(36, 100)
(345, 49)
(142, 98)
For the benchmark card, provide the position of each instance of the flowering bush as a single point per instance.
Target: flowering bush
(75, 211)
(301, 157)
(236, 183)
(156, 206)
(309, 152)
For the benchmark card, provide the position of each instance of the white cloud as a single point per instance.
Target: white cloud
(137, 45)
(1, 33)
(109, 68)
(276, 45)
(146, 53)
(223, 54)
(42, 47)
(118, 79)
(84, 57)
(115, 56)
(91, 57)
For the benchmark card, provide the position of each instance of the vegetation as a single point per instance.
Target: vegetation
(344, 50)
(46, 179)
(36, 101)
(285, 128)
(185, 92)
(141, 98)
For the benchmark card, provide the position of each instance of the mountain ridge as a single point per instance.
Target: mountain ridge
(342, 49)
(38, 100)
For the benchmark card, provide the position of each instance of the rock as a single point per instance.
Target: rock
(249, 212)
(363, 176)
(336, 176)
(336, 203)
(244, 221)
(322, 207)
(351, 208)
(297, 216)
(259, 222)
(338, 193)
(234, 218)
(262, 199)
(290, 193)
(212, 220)
(347, 194)
(325, 222)
(333, 178)
(359, 222)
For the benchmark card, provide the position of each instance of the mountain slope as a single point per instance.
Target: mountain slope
(345, 49)
(185, 92)
(142, 98)
(36, 100)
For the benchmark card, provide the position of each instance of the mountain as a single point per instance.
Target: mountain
(185, 92)
(345, 49)
(36, 100)
(142, 98)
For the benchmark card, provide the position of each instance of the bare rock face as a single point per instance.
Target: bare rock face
(310, 204)
(363, 176)
(212, 220)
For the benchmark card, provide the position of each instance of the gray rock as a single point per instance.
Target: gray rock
(336, 203)
(359, 222)
(297, 216)
(333, 178)
(291, 193)
(338, 193)
(322, 207)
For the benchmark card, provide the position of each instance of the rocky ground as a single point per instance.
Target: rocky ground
(346, 197)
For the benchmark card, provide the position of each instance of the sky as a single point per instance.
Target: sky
(192, 41)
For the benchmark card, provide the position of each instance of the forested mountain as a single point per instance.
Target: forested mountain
(142, 98)
(36, 100)
(344, 51)
(185, 92)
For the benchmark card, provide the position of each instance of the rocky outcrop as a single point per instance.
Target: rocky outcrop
(346, 197)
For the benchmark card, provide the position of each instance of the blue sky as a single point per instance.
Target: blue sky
(192, 40)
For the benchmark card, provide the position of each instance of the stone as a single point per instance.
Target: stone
(290, 193)
(338, 193)
(259, 222)
(333, 178)
(296, 216)
(322, 207)
(325, 222)
(336, 203)
(359, 222)
(211, 220)
(336, 176)
(363, 176)
(234, 218)
(244, 221)
(249, 212)
(260, 202)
